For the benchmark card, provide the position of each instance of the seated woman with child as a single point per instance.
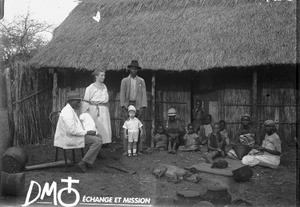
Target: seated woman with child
(246, 135)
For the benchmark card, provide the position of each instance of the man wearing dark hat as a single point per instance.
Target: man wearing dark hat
(70, 134)
(133, 92)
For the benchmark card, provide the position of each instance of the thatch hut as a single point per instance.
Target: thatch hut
(237, 56)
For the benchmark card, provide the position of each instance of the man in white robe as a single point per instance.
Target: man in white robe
(70, 134)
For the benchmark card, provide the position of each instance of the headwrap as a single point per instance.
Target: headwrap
(270, 123)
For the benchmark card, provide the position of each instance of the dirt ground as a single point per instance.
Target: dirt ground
(267, 187)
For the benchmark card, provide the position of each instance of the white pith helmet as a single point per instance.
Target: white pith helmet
(172, 112)
(131, 108)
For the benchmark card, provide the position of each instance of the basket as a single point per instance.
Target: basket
(242, 174)
(241, 150)
(217, 195)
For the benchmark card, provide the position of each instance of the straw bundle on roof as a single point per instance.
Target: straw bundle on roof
(173, 35)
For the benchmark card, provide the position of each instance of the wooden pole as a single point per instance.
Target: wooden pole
(32, 95)
(17, 117)
(254, 97)
(9, 107)
(48, 165)
(54, 92)
(153, 109)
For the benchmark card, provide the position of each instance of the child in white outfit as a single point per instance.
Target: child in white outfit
(86, 119)
(132, 130)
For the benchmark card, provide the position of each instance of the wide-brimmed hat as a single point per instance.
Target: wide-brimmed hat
(73, 95)
(134, 64)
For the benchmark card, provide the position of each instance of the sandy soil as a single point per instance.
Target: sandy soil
(268, 187)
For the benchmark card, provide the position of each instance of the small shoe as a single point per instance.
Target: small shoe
(125, 153)
(129, 155)
(135, 154)
(82, 167)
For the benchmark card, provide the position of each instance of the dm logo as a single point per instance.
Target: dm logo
(53, 189)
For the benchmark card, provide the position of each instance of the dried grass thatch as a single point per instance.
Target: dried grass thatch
(173, 35)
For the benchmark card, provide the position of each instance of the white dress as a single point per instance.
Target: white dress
(255, 157)
(98, 99)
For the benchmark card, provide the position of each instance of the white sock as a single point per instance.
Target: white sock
(134, 151)
(129, 151)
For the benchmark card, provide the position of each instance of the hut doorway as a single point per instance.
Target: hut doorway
(210, 103)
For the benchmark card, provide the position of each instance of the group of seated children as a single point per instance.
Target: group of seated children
(170, 136)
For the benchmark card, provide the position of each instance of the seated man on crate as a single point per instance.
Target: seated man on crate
(70, 134)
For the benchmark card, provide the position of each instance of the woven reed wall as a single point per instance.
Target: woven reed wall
(173, 90)
(277, 100)
(234, 89)
(31, 114)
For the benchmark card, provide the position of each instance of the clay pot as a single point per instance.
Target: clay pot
(219, 196)
(14, 160)
(12, 184)
(187, 197)
(242, 174)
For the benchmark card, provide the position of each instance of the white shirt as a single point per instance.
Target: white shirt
(132, 125)
(88, 122)
(69, 131)
(132, 94)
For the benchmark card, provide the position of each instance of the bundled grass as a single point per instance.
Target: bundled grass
(31, 114)
(173, 35)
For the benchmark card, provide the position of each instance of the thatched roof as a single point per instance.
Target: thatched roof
(173, 35)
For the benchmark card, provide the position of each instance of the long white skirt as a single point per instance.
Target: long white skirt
(102, 122)
(264, 160)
